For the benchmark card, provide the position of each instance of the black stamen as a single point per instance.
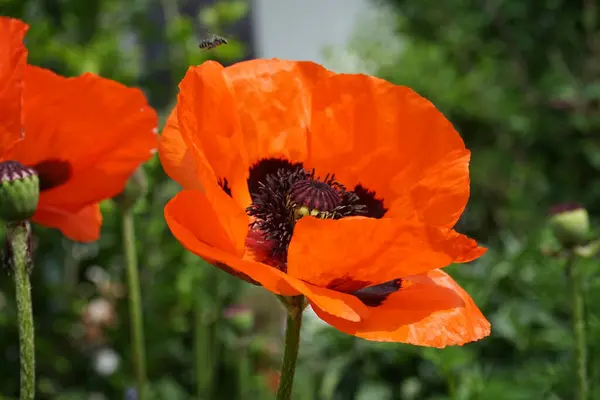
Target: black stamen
(373, 206)
(263, 168)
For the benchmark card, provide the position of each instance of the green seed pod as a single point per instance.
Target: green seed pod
(570, 224)
(19, 191)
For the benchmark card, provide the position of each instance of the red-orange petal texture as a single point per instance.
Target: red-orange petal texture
(208, 123)
(187, 165)
(372, 251)
(13, 59)
(431, 310)
(235, 116)
(178, 161)
(391, 140)
(273, 100)
(215, 229)
(101, 129)
(82, 225)
(364, 130)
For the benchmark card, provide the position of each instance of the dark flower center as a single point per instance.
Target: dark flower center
(283, 192)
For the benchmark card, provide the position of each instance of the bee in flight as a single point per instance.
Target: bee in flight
(211, 42)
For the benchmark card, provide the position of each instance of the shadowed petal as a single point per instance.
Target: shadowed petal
(216, 232)
(392, 141)
(178, 161)
(13, 59)
(97, 130)
(273, 98)
(430, 310)
(372, 251)
(82, 225)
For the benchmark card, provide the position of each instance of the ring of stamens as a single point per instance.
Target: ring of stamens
(283, 197)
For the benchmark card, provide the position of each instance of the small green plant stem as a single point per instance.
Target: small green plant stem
(578, 325)
(18, 234)
(244, 371)
(206, 344)
(292, 344)
(135, 302)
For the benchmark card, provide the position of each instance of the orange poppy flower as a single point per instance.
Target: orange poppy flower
(84, 136)
(343, 188)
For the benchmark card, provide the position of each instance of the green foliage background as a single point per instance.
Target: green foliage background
(521, 82)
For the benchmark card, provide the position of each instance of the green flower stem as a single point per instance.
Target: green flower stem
(244, 372)
(578, 321)
(292, 344)
(135, 302)
(18, 234)
(206, 345)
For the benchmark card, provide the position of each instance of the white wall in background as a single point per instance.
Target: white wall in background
(300, 29)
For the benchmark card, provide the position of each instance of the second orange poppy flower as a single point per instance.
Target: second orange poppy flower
(84, 136)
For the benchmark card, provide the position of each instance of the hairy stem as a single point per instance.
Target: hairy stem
(18, 235)
(292, 344)
(578, 325)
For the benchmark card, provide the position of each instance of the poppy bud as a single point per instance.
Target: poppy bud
(19, 191)
(135, 189)
(241, 318)
(570, 224)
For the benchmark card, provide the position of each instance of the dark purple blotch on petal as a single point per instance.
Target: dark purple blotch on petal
(53, 173)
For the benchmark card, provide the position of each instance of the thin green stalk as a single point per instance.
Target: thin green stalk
(244, 371)
(292, 344)
(578, 321)
(135, 302)
(452, 386)
(18, 234)
(206, 345)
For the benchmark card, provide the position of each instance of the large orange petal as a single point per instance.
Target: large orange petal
(430, 310)
(98, 130)
(360, 251)
(82, 225)
(178, 161)
(188, 166)
(439, 197)
(341, 305)
(209, 125)
(236, 116)
(216, 231)
(13, 59)
(273, 99)
(388, 138)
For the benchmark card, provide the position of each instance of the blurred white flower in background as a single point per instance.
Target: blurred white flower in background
(97, 275)
(100, 311)
(106, 361)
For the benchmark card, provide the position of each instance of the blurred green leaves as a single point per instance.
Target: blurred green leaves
(515, 79)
